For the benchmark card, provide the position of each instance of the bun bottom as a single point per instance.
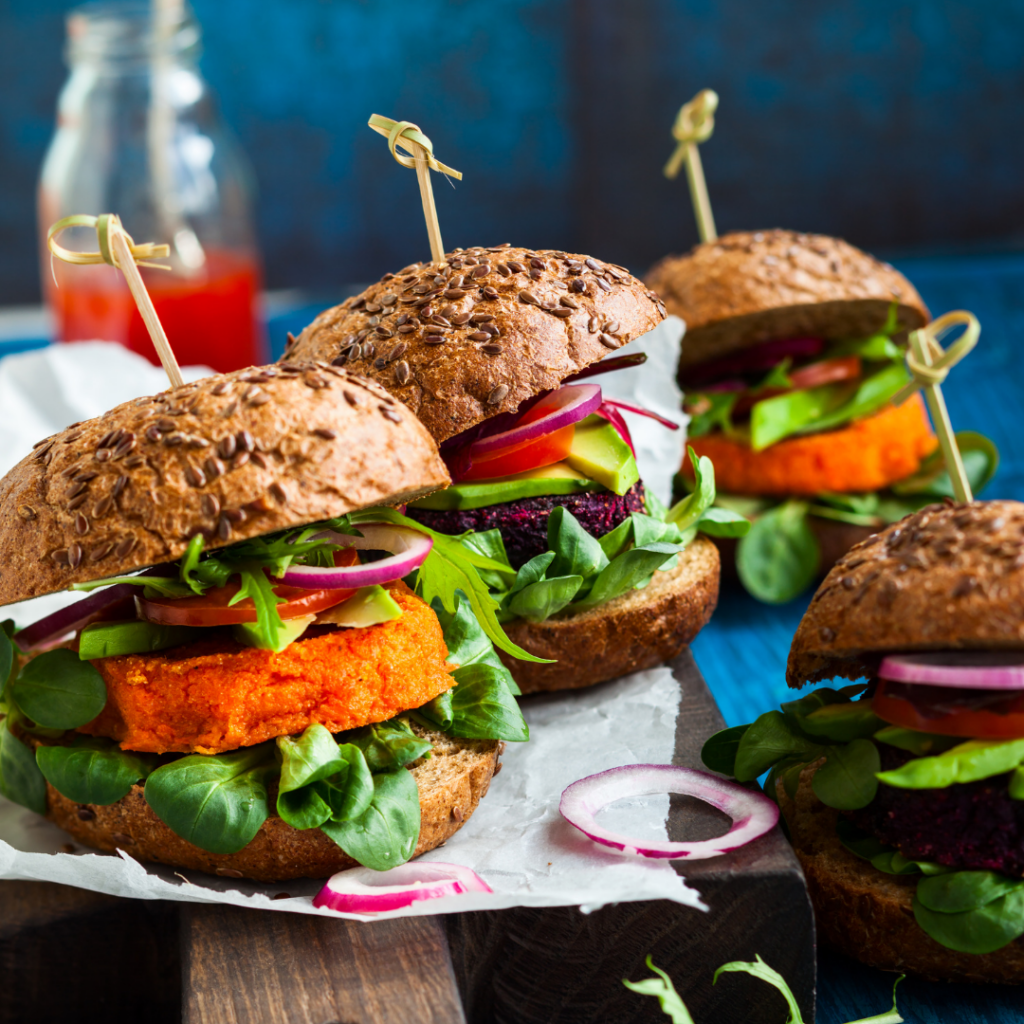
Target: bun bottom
(639, 630)
(834, 540)
(451, 783)
(868, 914)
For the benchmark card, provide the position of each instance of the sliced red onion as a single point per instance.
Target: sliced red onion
(363, 891)
(752, 813)
(969, 670)
(616, 419)
(561, 408)
(608, 365)
(410, 548)
(48, 631)
(642, 412)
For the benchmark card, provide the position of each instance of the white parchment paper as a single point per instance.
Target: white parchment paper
(516, 841)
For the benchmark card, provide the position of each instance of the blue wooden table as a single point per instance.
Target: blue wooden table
(742, 653)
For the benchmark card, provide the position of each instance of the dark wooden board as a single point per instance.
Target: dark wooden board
(66, 954)
(558, 966)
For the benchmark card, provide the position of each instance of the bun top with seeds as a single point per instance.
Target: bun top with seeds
(950, 577)
(477, 334)
(231, 456)
(748, 287)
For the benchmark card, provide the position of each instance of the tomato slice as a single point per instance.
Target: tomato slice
(212, 609)
(548, 449)
(828, 371)
(977, 714)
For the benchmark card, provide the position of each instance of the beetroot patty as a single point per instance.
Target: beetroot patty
(973, 826)
(524, 523)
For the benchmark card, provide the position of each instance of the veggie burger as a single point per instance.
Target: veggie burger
(794, 349)
(905, 796)
(495, 349)
(266, 698)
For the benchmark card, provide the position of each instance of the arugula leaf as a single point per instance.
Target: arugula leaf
(93, 770)
(269, 626)
(386, 833)
(58, 691)
(663, 989)
(920, 743)
(190, 562)
(842, 723)
(875, 349)
(1016, 787)
(887, 1016)
(483, 708)
(871, 394)
(759, 969)
(778, 559)
(966, 762)
(709, 410)
(436, 713)
(848, 779)
(389, 745)
(217, 802)
(156, 586)
(20, 777)
(489, 543)
(981, 460)
(773, 419)
(449, 568)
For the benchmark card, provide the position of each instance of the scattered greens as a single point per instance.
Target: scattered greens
(779, 557)
(673, 1006)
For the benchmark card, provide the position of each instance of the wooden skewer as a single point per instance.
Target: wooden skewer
(409, 137)
(126, 264)
(429, 209)
(117, 249)
(694, 124)
(929, 366)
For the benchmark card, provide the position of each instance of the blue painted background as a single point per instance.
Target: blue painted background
(899, 125)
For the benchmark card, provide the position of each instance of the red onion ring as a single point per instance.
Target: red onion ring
(642, 412)
(968, 670)
(410, 548)
(752, 813)
(567, 405)
(363, 891)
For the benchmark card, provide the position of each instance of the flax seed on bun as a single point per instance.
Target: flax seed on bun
(752, 286)
(950, 577)
(232, 456)
(476, 334)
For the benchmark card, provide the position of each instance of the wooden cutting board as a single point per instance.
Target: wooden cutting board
(66, 954)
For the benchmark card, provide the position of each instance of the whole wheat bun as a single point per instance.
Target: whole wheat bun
(503, 325)
(754, 286)
(451, 783)
(868, 914)
(640, 629)
(948, 577)
(231, 456)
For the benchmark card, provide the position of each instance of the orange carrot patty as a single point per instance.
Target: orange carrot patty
(216, 695)
(864, 456)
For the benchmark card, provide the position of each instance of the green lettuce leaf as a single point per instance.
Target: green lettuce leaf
(92, 770)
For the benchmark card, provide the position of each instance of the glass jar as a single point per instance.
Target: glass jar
(138, 134)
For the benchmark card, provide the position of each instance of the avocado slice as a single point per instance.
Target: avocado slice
(558, 478)
(599, 451)
(113, 639)
(368, 606)
(247, 633)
